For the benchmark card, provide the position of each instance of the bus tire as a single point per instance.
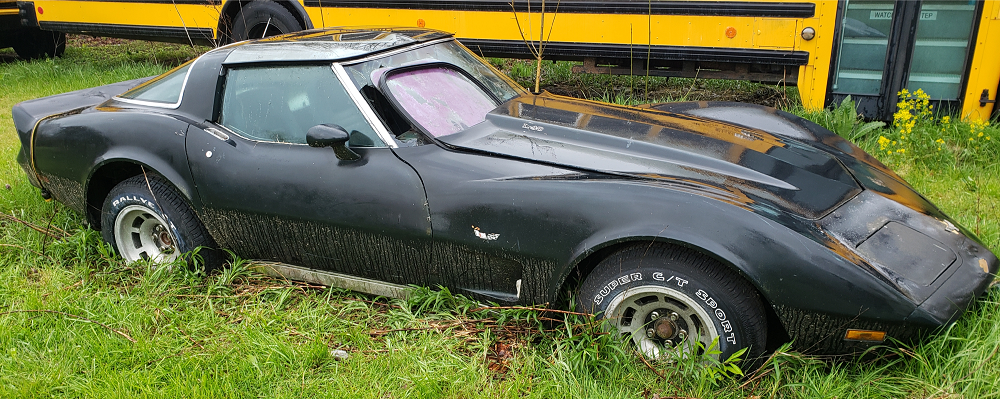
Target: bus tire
(262, 18)
(35, 43)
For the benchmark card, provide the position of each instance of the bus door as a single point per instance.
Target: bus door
(883, 47)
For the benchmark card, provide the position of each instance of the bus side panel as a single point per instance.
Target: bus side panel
(984, 73)
(814, 76)
(130, 18)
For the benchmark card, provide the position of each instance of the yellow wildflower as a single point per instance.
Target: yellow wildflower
(883, 142)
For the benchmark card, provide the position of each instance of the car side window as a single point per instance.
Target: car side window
(164, 89)
(280, 103)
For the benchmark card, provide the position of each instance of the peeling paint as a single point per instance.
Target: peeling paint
(485, 236)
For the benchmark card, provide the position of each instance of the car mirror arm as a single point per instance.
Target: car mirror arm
(330, 135)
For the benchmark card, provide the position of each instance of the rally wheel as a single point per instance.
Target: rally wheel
(144, 218)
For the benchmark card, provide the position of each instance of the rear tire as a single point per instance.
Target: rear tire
(144, 218)
(34, 43)
(263, 18)
(661, 297)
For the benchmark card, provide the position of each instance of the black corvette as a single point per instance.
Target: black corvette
(377, 158)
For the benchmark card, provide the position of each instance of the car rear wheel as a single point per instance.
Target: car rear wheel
(662, 297)
(144, 218)
(263, 18)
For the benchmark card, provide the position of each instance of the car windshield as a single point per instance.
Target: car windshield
(439, 99)
(444, 99)
(450, 52)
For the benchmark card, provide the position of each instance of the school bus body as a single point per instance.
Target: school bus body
(754, 40)
(984, 71)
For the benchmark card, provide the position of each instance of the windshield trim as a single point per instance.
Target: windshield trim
(363, 106)
(394, 52)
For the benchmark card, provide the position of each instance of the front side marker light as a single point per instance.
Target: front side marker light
(864, 335)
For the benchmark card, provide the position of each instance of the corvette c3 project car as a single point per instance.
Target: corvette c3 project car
(375, 158)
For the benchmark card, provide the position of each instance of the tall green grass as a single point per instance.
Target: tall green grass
(77, 322)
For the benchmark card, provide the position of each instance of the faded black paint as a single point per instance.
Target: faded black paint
(779, 199)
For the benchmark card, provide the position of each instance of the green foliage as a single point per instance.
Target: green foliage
(920, 136)
(845, 121)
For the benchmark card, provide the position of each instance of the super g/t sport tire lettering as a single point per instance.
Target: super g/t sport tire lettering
(662, 297)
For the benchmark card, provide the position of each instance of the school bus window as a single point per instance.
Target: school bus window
(865, 38)
(941, 48)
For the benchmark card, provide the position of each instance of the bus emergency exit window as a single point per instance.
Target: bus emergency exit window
(941, 48)
(863, 44)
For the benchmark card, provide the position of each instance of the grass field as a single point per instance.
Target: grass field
(76, 322)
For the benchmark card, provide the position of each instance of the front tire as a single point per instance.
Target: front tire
(144, 218)
(661, 297)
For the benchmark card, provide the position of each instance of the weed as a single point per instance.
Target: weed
(920, 136)
(845, 121)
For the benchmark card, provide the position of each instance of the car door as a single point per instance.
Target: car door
(267, 195)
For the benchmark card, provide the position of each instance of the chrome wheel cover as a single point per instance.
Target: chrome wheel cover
(635, 311)
(142, 234)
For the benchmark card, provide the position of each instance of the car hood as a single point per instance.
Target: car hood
(751, 167)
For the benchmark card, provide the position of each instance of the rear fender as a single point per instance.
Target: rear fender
(116, 167)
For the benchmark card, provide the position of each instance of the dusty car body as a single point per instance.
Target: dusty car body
(679, 223)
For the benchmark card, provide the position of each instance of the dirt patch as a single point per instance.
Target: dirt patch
(93, 41)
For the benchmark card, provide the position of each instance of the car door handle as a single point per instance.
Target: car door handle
(220, 135)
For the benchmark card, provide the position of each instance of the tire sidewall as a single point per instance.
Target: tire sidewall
(258, 12)
(125, 195)
(603, 286)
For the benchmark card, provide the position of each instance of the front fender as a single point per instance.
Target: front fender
(793, 264)
(776, 122)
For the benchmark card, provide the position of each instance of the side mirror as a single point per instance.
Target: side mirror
(330, 135)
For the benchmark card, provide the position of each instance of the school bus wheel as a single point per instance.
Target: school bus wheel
(262, 18)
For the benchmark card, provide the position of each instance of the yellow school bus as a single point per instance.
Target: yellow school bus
(867, 49)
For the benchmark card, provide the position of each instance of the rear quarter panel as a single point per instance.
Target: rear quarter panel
(70, 149)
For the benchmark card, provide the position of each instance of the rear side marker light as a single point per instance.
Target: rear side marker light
(865, 335)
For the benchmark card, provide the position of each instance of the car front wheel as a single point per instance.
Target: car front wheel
(144, 218)
(665, 297)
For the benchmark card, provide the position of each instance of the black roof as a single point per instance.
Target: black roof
(333, 44)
